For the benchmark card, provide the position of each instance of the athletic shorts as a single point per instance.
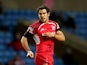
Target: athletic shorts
(42, 59)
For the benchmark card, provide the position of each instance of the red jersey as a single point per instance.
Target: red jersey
(43, 43)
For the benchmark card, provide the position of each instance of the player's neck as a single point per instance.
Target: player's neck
(45, 21)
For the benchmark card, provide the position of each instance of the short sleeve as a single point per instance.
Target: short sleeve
(30, 30)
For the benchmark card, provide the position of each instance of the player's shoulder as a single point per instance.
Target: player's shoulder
(35, 24)
(54, 22)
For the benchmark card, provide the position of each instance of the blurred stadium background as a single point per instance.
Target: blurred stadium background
(17, 15)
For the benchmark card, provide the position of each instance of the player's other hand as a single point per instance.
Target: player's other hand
(30, 54)
(50, 34)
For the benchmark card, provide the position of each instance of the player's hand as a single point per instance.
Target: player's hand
(30, 54)
(50, 34)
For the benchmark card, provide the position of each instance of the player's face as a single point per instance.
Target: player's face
(43, 15)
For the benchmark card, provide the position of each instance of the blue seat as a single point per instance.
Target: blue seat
(29, 61)
(2, 17)
(2, 47)
(8, 37)
(58, 62)
(1, 40)
(1, 33)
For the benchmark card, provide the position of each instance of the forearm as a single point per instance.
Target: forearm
(25, 45)
(59, 36)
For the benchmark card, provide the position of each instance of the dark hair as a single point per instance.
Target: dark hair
(43, 7)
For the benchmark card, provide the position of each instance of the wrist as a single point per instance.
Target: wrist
(28, 51)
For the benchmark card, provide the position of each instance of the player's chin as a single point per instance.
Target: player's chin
(43, 20)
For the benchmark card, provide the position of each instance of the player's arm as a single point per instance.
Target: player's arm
(59, 35)
(24, 41)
